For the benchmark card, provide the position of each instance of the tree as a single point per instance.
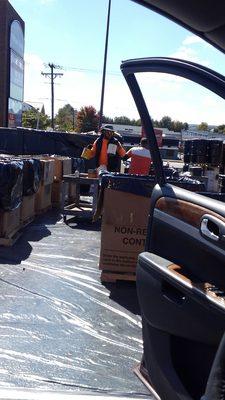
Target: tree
(203, 126)
(35, 119)
(138, 122)
(65, 118)
(107, 120)
(178, 126)
(220, 129)
(122, 120)
(166, 122)
(87, 119)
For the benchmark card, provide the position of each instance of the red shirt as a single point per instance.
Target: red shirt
(140, 160)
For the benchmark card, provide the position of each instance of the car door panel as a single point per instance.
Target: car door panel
(181, 283)
(176, 232)
(183, 322)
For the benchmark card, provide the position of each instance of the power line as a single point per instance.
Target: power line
(80, 69)
(52, 75)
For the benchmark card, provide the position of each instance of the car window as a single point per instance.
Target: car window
(190, 129)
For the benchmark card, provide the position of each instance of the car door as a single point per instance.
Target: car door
(181, 275)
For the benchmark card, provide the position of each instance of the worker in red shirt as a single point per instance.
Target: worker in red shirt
(107, 150)
(140, 158)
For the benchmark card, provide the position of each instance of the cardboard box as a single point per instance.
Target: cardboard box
(48, 169)
(63, 166)
(9, 222)
(57, 193)
(43, 198)
(124, 229)
(27, 208)
(47, 166)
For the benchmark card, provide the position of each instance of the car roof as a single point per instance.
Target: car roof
(205, 18)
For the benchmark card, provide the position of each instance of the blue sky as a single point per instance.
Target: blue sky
(71, 33)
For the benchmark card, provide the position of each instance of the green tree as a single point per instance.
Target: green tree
(166, 122)
(35, 119)
(178, 126)
(107, 120)
(203, 126)
(123, 120)
(87, 119)
(220, 129)
(138, 122)
(65, 118)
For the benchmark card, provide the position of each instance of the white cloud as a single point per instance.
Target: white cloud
(189, 54)
(193, 39)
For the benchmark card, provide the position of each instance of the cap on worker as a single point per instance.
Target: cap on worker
(107, 128)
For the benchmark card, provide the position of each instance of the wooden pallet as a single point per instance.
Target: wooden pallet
(109, 276)
(145, 380)
(10, 239)
(28, 221)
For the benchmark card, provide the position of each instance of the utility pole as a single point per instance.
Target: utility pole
(104, 66)
(52, 75)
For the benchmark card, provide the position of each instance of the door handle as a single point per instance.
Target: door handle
(212, 228)
(172, 293)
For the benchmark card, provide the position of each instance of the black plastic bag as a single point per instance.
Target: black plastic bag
(31, 176)
(11, 184)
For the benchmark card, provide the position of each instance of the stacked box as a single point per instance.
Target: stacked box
(63, 166)
(27, 209)
(43, 197)
(9, 222)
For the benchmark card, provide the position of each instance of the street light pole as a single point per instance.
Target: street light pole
(73, 119)
(104, 66)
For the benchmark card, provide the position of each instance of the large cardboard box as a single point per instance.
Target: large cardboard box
(9, 222)
(124, 229)
(63, 166)
(43, 198)
(27, 210)
(48, 169)
(57, 193)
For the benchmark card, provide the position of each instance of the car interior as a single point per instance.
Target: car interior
(180, 276)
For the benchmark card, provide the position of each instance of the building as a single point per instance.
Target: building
(195, 134)
(11, 65)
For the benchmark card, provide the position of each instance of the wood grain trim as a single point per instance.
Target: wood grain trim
(208, 289)
(185, 211)
(177, 270)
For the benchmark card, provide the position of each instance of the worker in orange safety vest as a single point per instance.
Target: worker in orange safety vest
(107, 150)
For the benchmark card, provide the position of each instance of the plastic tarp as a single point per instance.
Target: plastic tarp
(136, 184)
(11, 184)
(31, 176)
(60, 327)
(31, 141)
